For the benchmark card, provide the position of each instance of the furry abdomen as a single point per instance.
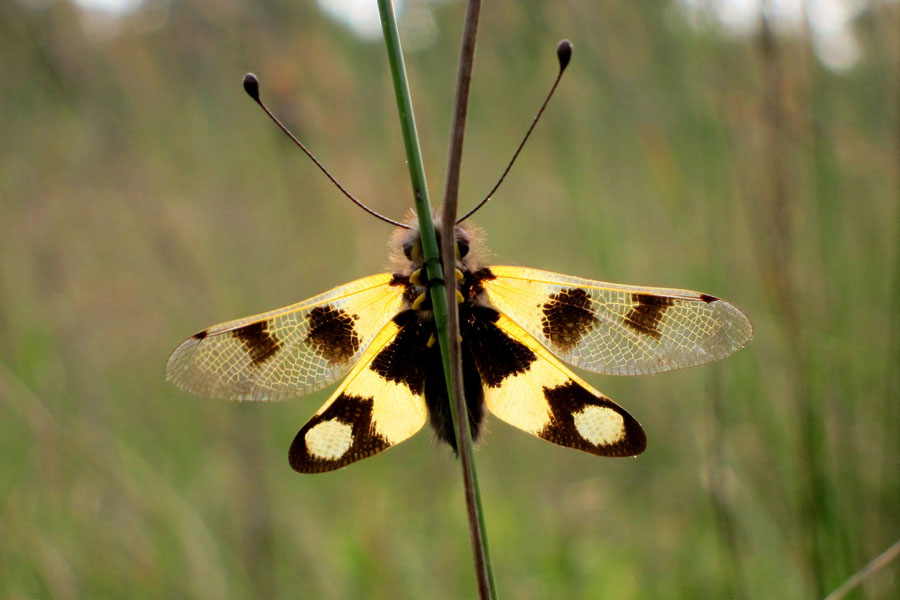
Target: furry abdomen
(438, 403)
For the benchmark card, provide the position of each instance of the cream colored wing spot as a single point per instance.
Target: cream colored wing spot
(527, 387)
(617, 329)
(599, 425)
(287, 352)
(368, 413)
(329, 440)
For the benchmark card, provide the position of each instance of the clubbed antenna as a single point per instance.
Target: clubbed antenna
(251, 86)
(564, 54)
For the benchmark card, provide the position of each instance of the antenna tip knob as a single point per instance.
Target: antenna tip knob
(564, 54)
(251, 86)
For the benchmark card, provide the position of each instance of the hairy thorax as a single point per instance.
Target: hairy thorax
(408, 267)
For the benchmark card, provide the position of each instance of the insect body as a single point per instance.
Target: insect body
(516, 324)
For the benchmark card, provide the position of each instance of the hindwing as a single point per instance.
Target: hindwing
(526, 386)
(379, 404)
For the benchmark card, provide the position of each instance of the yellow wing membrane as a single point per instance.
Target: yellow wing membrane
(618, 329)
(368, 413)
(287, 352)
(542, 397)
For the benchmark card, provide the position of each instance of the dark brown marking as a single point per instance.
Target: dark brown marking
(707, 298)
(472, 284)
(568, 318)
(260, 344)
(332, 334)
(646, 314)
(200, 335)
(570, 398)
(409, 290)
(355, 411)
(399, 280)
(496, 355)
(401, 361)
(483, 274)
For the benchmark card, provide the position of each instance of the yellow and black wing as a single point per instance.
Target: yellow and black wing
(526, 386)
(617, 329)
(290, 351)
(379, 404)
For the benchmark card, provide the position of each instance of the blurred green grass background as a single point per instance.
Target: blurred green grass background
(144, 197)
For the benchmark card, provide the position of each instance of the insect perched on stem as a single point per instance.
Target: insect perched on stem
(517, 325)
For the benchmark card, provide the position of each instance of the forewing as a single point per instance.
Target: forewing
(290, 351)
(380, 404)
(526, 386)
(618, 329)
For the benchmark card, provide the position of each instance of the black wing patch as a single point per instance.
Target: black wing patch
(567, 318)
(586, 422)
(261, 345)
(343, 433)
(497, 355)
(402, 361)
(646, 314)
(332, 334)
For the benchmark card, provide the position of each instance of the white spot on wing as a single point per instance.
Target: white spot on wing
(599, 425)
(329, 440)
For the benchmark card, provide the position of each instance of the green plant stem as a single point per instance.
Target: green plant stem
(439, 296)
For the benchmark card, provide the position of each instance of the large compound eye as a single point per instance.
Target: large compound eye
(413, 250)
(462, 242)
